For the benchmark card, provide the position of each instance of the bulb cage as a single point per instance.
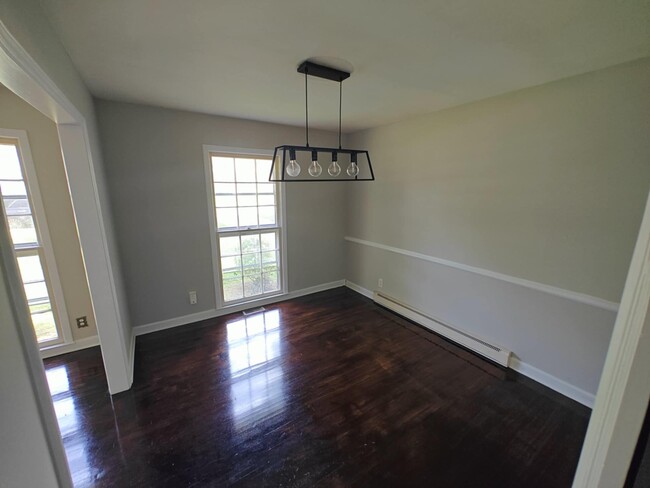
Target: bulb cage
(325, 158)
(309, 164)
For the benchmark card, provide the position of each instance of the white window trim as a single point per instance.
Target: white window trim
(282, 217)
(43, 233)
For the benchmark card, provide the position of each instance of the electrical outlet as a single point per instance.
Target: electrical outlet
(380, 282)
(82, 322)
(193, 298)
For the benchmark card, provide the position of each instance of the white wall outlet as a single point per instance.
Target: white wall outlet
(193, 299)
(380, 282)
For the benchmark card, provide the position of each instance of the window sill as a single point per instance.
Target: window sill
(256, 302)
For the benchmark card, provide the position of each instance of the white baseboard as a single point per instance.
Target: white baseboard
(546, 379)
(77, 345)
(531, 372)
(209, 314)
(359, 289)
(131, 358)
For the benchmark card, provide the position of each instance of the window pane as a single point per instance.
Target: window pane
(16, 206)
(223, 169)
(247, 200)
(268, 241)
(246, 259)
(229, 246)
(30, 268)
(226, 218)
(269, 267)
(251, 264)
(233, 290)
(266, 199)
(9, 163)
(234, 274)
(232, 263)
(252, 285)
(225, 200)
(269, 257)
(36, 291)
(225, 188)
(270, 282)
(22, 230)
(263, 169)
(246, 188)
(40, 307)
(267, 215)
(265, 187)
(44, 326)
(250, 243)
(245, 169)
(13, 188)
(248, 217)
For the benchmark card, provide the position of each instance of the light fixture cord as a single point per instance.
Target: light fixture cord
(340, 108)
(306, 111)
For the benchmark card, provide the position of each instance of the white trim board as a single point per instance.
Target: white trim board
(554, 383)
(212, 313)
(359, 289)
(533, 285)
(77, 345)
(132, 357)
(531, 372)
(624, 390)
(22, 75)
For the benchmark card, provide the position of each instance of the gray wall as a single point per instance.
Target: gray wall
(546, 184)
(155, 173)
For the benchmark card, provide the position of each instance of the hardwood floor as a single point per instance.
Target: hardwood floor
(324, 390)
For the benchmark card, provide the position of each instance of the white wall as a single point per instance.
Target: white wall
(155, 173)
(546, 184)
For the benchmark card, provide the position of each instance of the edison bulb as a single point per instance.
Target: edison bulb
(353, 170)
(293, 169)
(334, 169)
(315, 169)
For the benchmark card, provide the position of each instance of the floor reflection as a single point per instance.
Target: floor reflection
(257, 384)
(70, 421)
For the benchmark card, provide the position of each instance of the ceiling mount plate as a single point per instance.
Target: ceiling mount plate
(320, 71)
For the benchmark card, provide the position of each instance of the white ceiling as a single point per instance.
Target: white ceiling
(238, 57)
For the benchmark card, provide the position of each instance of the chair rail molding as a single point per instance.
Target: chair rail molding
(533, 285)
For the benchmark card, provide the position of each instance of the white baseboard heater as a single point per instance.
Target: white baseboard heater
(494, 353)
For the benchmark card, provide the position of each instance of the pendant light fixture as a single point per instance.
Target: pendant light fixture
(342, 164)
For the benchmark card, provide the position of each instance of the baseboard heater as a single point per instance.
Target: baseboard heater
(494, 353)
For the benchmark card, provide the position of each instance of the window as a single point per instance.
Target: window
(247, 227)
(18, 196)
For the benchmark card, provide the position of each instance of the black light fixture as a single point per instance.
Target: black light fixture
(288, 160)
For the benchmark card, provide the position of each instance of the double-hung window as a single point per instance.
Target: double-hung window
(30, 240)
(247, 226)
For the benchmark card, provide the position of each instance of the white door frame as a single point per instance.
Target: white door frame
(22, 75)
(624, 390)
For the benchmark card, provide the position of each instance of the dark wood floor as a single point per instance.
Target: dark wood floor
(324, 390)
